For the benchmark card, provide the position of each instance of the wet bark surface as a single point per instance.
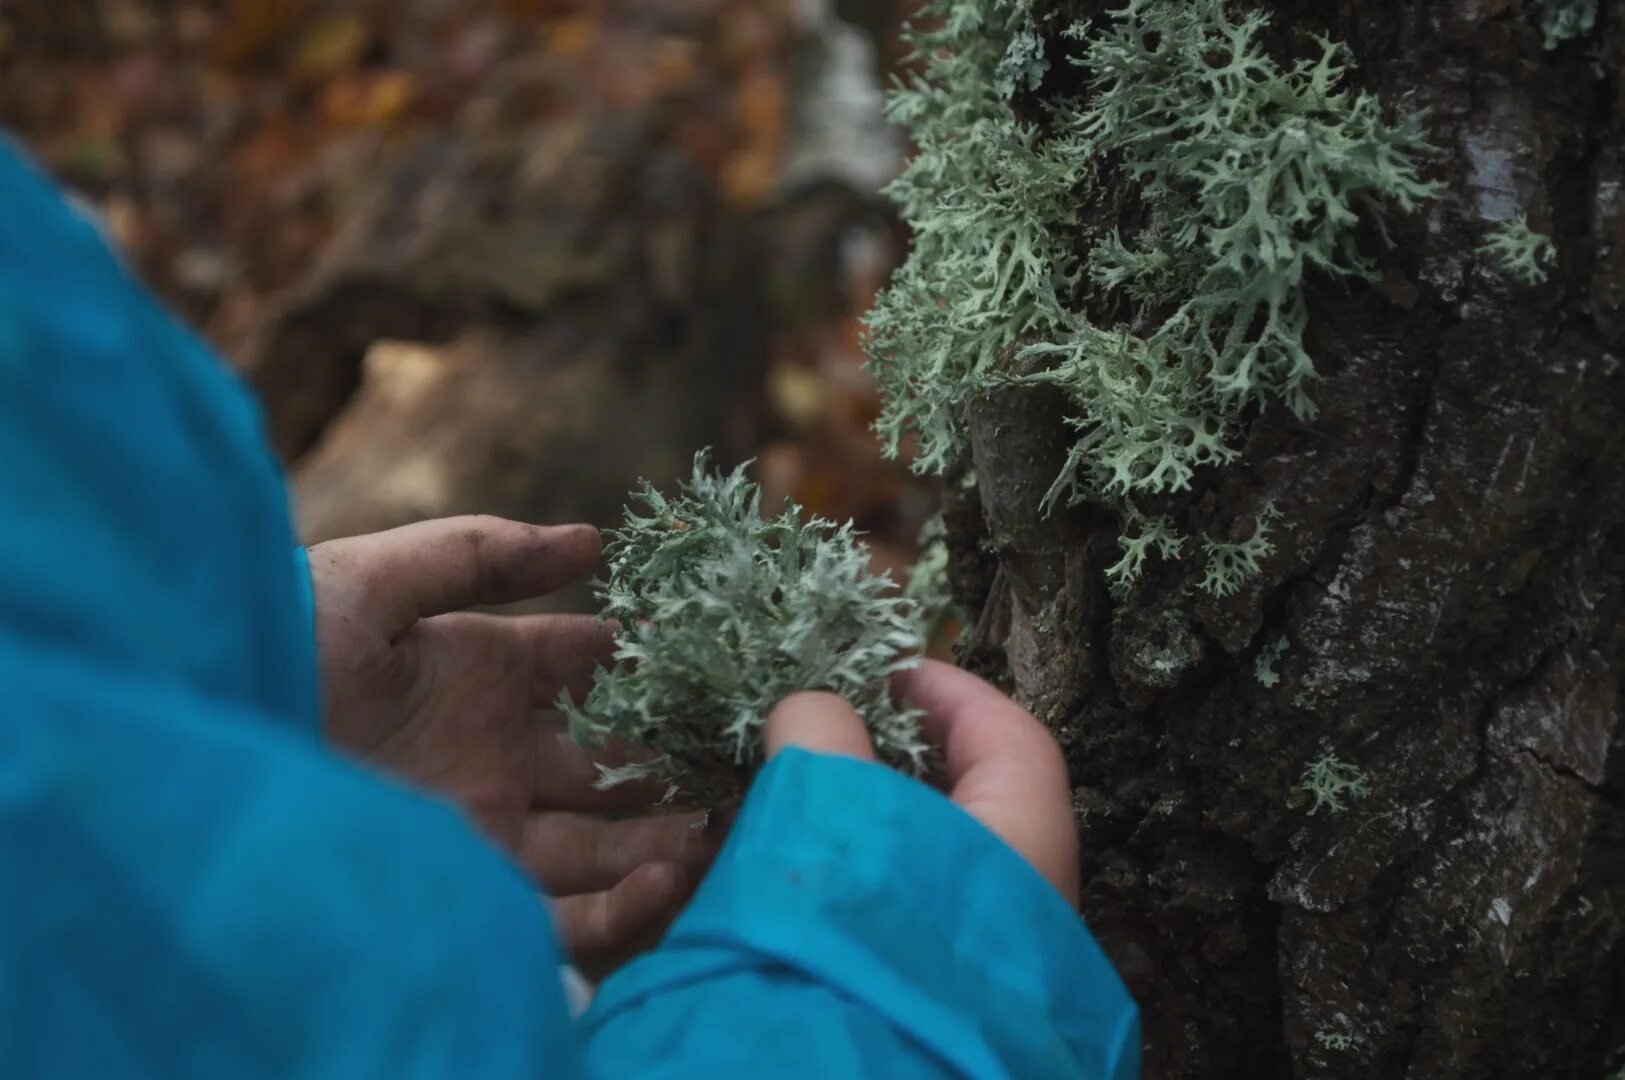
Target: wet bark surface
(1449, 581)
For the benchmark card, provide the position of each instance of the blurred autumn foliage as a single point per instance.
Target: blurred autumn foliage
(232, 146)
(218, 137)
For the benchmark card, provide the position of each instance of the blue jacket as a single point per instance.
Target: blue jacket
(192, 886)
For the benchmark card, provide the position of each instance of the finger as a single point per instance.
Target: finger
(602, 930)
(567, 776)
(818, 721)
(974, 724)
(579, 853)
(565, 652)
(1003, 767)
(434, 567)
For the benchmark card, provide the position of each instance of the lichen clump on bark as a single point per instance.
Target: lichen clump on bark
(928, 588)
(722, 613)
(987, 196)
(1519, 251)
(1250, 175)
(1561, 20)
(1329, 781)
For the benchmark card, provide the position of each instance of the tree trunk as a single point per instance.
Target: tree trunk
(1449, 581)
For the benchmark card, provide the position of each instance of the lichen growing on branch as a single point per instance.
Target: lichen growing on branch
(722, 613)
(1561, 20)
(928, 588)
(1264, 664)
(1229, 565)
(1331, 780)
(1251, 176)
(1149, 533)
(984, 196)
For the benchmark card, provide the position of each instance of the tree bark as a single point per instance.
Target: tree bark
(1449, 577)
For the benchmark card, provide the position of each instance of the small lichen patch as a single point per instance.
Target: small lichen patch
(1561, 20)
(1150, 533)
(1329, 781)
(928, 589)
(1264, 665)
(1229, 565)
(1519, 251)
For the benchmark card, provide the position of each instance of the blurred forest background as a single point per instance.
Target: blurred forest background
(502, 256)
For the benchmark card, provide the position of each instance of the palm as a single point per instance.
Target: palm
(457, 703)
(454, 714)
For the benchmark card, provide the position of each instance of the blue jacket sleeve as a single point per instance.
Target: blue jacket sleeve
(189, 885)
(193, 892)
(859, 924)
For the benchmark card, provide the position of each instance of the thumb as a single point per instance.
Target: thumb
(818, 721)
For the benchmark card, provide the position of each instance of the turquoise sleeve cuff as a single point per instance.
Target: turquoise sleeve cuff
(871, 883)
(307, 591)
(307, 605)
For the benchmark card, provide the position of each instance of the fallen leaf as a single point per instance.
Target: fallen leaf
(270, 151)
(798, 394)
(392, 94)
(331, 45)
(252, 27)
(675, 64)
(571, 37)
(368, 100)
(749, 174)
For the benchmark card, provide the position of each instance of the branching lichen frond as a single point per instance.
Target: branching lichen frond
(928, 588)
(721, 614)
(986, 196)
(1561, 20)
(1329, 781)
(1519, 251)
(1252, 175)
(1149, 533)
(1229, 565)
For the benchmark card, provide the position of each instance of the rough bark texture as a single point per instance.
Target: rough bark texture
(1449, 575)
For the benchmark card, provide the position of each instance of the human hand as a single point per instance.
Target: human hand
(1001, 765)
(452, 700)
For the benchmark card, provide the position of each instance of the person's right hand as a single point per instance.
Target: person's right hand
(1002, 766)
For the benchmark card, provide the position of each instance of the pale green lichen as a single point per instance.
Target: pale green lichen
(1562, 20)
(1334, 1041)
(983, 195)
(1024, 65)
(1140, 427)
(1229, 565)
(1264, 664)
(928, 588)
(1149, 533)
(1251, 177)
(721, 614)
(1329, 781)
(1519, 251)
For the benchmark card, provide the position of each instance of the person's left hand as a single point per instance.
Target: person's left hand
(452, 700)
